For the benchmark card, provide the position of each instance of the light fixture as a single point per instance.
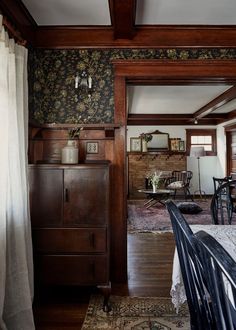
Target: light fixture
(198, 152)
(84, 81)
(195, 121)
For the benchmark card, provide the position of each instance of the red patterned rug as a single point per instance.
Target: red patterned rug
(156, 218)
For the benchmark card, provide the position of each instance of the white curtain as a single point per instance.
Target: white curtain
(16, 262)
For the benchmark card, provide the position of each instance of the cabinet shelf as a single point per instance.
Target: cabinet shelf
(158, 152)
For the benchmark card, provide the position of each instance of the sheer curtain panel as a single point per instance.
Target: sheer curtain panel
(16, 270)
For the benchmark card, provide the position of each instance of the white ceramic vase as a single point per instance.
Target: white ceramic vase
(70, 153)
(154, 188)
(144, 146)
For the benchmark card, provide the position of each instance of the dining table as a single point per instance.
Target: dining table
(224, 234)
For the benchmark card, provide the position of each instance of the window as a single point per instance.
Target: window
(202, 138)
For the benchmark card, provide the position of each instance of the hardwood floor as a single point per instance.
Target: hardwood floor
(150, 259)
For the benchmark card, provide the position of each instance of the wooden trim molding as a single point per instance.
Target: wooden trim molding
(188, 71)
(201, 132)
(18, 15)
(145, 37)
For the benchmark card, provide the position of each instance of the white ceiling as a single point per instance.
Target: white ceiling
(173, 99)
(69, 12)
(96, 12)
(206, 12)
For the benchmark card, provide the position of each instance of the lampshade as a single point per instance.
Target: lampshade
(197, 152)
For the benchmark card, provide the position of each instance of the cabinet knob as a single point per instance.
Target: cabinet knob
(66, 195)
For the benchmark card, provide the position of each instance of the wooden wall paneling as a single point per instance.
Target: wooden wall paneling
(109, 150)
(119, 202)
(37, 151)
(45, 145)
(119, 210)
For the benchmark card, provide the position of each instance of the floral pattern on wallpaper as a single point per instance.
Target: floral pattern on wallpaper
(54, 98)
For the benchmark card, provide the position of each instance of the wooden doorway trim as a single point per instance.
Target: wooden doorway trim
(230, 130)
(190, 72)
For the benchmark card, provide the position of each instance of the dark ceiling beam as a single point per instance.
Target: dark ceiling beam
(123, 18)
(231, 115)
(174, 119)
(151, 116)
(146, 37)
(219, 101)
(16, 12)
(155, 81)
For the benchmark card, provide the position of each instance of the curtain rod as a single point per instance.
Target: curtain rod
(13, 32)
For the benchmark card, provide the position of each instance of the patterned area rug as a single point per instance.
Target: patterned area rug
(156, 218)
(135, 313)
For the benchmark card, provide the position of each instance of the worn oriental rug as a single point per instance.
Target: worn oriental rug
(156, 218)
(135, 313)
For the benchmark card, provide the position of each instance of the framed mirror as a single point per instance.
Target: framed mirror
(160, 141)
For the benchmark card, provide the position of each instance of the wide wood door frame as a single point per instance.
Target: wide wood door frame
(230, 132)
(189, 72)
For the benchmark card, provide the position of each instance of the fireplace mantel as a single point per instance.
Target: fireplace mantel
(141, 165)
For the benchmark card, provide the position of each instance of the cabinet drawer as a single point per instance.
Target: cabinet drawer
(73, 270)
(70, 240)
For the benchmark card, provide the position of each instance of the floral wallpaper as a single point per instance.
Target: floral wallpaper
(53, 97)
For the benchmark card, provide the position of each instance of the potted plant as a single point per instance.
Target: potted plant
(155, 180)
(70, 153)
(146, 137)
(74, 133)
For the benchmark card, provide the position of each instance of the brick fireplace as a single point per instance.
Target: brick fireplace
(142, 165)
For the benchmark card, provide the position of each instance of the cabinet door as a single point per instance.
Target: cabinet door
(46, 196)
(87, 193)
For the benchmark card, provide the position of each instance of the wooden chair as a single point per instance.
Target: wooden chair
(180, 180)
(217, 182)
(220, 270)
(201, 316)
(222, 203)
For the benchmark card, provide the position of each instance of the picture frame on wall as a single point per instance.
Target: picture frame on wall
(181, 145)
(174, 144)
(135, 144)
(92, 147)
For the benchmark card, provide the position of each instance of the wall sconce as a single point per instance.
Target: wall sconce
(84, 81)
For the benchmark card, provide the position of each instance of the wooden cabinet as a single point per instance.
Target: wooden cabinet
(70, 223)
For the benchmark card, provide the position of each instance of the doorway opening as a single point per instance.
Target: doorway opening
(150, 72)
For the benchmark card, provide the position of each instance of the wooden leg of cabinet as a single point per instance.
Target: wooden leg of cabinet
(106, 292)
